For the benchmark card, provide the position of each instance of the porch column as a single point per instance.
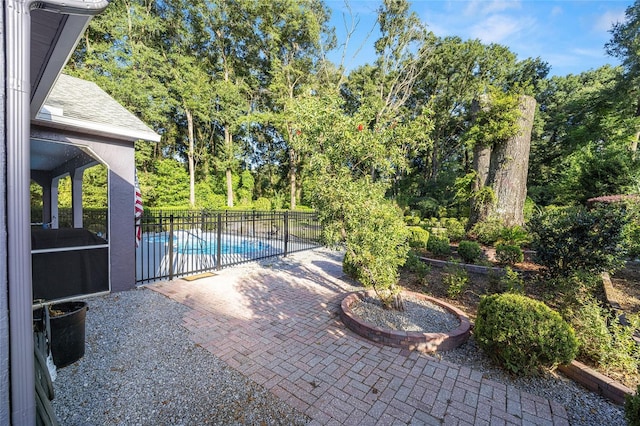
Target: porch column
(76, 197)
(54, 201)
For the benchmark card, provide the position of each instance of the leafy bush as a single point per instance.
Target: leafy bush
(469, 251)
(514, 235)
(454, 227)
(574, 238)
(603, 340)
(511, 281)
(415, 265)
(418, 237)
(456, 279)
(429, 207)
(439, 246)
(412, 219)
(262, 204)
(508, 254)
(488, 231)
(523, 334)
(632, 408)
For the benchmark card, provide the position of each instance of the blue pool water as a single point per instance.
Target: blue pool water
(195, 245)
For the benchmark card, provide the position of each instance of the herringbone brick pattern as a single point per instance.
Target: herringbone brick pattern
(279, 326)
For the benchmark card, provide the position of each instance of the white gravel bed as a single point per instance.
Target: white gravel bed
(419, 315)
(141, 368)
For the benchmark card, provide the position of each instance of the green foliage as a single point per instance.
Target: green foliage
(603, 340)
(508, 254)
(456, 279)
(419, 237)
(415, 265)
(576, 239)
(469, 251)
(412, 220)
(488, 231)
(522, 334)
(514, 235)
(262, 204)
(511, 281)
(439, 246)
(632, 408)
(455, 228)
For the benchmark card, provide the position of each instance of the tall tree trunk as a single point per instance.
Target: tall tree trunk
(507, 170)
(512, 167)
(293, 179)
(228, 143)
(191, 160)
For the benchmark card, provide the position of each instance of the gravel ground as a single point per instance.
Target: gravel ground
(141, 368)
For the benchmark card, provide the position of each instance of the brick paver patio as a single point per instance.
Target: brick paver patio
(279, 325)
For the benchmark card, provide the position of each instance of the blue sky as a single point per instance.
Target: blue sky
(569, 35)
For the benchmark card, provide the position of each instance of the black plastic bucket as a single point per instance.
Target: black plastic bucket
(67, 322)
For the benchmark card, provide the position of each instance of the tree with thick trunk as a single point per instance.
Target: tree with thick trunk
(501, 163)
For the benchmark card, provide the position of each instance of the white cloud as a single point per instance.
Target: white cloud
(501, 28)
(607, 19)
(557, 11)
(484, 7)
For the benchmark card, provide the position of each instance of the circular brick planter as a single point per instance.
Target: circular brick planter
(412, 340)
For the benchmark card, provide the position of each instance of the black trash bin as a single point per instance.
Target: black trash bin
(67, 322)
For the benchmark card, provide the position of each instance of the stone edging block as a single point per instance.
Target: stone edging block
(423, 342)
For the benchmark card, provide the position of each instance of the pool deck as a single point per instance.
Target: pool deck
(278, 324)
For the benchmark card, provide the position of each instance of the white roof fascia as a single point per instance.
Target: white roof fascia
(52, 117)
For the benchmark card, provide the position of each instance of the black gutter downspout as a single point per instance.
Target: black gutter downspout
(17, 51)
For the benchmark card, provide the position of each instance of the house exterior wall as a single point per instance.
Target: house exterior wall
(5, 406)
(119, 158)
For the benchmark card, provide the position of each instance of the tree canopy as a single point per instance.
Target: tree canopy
(233, 87)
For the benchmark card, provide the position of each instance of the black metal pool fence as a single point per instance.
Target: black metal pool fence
(178, 243)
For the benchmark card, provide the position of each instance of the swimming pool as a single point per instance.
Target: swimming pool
(205, 243)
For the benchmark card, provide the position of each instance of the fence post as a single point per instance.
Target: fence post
(171, 272)
(286, 232)
(219, 243)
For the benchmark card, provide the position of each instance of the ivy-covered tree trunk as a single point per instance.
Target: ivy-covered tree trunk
(510, 165)
(500, 186)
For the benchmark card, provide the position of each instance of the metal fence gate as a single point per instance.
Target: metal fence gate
(181, 243)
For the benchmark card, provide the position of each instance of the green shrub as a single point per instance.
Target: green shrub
(469, 251)
(454, 227)
(514, 235)
(603, 340)
(415, 265)
(413, 218)
(574, 238)
(488, 231)
(507, 254)
(456, 279)
(262, 204)
(522, 334)
(632, 408)
(418, 237)
(511, 281)
(439, 246)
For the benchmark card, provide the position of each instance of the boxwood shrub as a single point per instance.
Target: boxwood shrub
(509, 254)
(439, 245)
(524, 335)
(469, 251)
(419, 237)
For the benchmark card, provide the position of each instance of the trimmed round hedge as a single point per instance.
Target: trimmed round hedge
(522, 334)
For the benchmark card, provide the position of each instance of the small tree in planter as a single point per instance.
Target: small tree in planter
(372, 230)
